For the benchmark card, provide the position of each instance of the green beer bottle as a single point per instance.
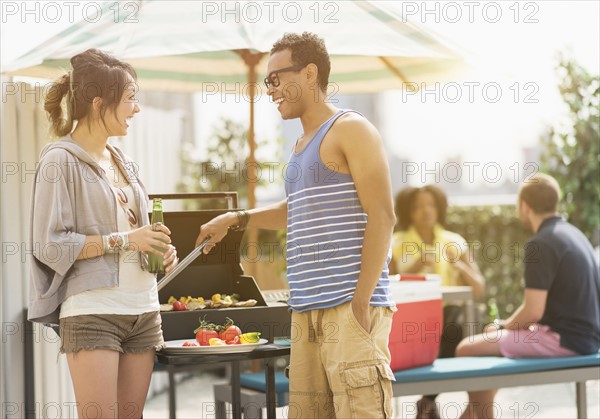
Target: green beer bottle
(494, 312)
(155, 262)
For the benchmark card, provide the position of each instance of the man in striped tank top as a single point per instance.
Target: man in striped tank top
(339, 217)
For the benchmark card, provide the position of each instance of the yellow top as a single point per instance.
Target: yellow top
(447, 247)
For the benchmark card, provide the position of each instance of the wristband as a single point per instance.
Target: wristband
(125, 243)
(105, 245)
(243, 218)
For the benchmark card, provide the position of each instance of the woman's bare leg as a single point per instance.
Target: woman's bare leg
(94, 374)
(135, 370)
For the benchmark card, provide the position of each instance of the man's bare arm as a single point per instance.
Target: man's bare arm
(271, 217)
(365, 156)
(531, 311)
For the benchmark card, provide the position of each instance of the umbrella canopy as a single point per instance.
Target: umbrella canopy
(210, 46)
(191, 45)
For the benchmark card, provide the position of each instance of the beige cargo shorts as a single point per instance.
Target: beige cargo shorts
(337, 368)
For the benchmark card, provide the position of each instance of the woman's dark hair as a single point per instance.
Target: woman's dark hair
(95, 74)
(405, 200)
(306, 49)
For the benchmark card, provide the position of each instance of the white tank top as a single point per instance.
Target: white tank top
(136, 292)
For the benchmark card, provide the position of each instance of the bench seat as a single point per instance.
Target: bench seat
(491, 372)
(256, 381)
(485, 366)
(467, 374)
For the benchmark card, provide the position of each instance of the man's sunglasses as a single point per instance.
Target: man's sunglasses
(272, 80)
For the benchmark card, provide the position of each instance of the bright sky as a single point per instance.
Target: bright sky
(511, 52)
(516, 52)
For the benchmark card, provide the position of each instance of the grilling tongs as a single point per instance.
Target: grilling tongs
(182, 265)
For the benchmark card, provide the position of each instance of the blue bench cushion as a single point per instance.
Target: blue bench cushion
(256, 381)
(478, 366)
(450, 368)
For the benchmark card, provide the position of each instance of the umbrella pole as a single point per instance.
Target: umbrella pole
(252, 172)
(251, 60)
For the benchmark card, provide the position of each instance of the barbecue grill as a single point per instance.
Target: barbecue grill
(219, 272)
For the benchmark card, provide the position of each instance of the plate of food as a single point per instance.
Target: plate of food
(216, 338)
(191, 346)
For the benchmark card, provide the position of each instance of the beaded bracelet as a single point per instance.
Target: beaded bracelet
(115, 242)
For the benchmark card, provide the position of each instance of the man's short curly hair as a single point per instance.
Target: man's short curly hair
(306, 49)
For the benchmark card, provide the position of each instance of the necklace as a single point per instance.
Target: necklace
(124, 202)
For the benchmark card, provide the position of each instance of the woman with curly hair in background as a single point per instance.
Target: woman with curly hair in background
(423, 246)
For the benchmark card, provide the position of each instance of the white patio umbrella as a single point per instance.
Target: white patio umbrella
(201, 45)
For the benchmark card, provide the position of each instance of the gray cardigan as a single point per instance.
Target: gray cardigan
(72, 199)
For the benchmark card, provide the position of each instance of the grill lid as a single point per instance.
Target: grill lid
(219, 272)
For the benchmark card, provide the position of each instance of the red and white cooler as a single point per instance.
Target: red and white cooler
(417, 326)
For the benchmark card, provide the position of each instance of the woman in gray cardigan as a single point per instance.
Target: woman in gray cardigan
(91, 234)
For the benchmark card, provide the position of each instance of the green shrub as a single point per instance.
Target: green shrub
(572, 148)
(224, 168)
(496, 238)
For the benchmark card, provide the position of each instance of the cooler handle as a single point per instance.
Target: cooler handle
(412, 277)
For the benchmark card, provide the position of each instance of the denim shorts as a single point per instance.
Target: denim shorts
(117, 332)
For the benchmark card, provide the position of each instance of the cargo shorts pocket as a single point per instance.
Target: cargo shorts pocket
(369, 389)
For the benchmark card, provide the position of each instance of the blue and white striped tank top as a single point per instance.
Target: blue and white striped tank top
(325, 231)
